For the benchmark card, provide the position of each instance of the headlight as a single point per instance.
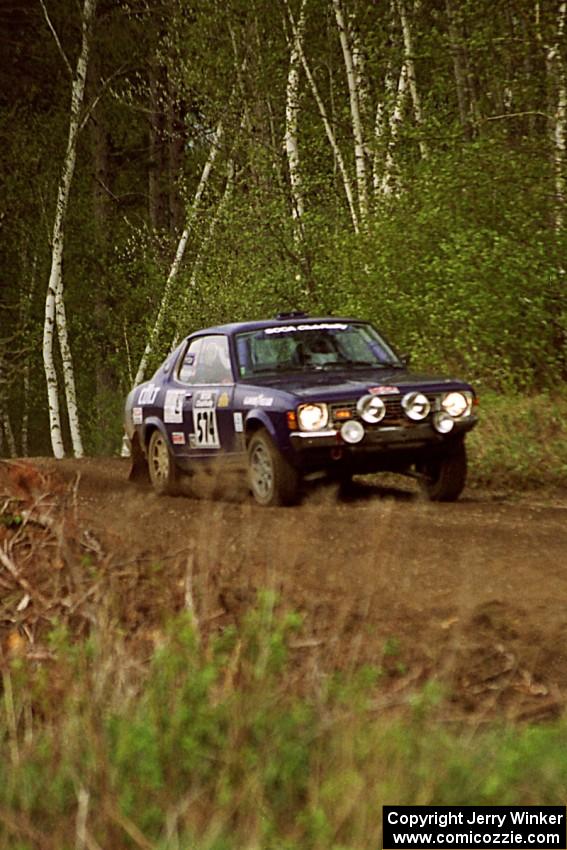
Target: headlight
(312, 417)
(457, 404)
(371, 408)
(416, 406)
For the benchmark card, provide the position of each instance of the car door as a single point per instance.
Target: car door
(207, 400)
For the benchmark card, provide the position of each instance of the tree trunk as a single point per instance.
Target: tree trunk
(354, 97)
(389, 181)
(54, 305)
(459, 69)
(412, 80)
(291, 113)
(556, 64)
(167, 292)
(326, 123)
(7, 440)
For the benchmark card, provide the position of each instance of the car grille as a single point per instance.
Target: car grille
(395, 415)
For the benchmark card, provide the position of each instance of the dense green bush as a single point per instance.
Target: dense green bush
(208, 746)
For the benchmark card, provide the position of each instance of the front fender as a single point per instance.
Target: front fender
(258, 417)
(150, 424)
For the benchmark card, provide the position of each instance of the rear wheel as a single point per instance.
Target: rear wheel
(161, 466)
(443, 476)
(272, 479)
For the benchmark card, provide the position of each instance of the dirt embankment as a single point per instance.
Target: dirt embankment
(471, 594)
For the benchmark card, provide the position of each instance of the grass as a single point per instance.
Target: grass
(521, 442)
(205, 746)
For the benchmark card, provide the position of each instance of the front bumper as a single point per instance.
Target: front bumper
(379, 447)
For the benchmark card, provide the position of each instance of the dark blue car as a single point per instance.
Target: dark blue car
(294, 397)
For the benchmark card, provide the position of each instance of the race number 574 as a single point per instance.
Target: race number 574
(206, 431)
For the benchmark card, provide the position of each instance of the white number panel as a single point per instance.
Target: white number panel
(205, 428)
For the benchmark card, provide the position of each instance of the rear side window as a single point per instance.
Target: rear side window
(206, 361)
(188, 368)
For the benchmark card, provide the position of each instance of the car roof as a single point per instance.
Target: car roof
(287, 319)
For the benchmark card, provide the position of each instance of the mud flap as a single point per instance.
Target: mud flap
(139, 465)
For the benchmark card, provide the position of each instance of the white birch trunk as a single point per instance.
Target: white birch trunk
(68, 374)
(557, 62)
(354, 97)
(54, 305)
(388, 182)
(291, 113)
(380, 124)
(167, 292)
(361, 84)
(51, 375)
(412, 80)
(326, 123)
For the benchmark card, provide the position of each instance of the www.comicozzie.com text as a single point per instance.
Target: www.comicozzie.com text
(444, 819)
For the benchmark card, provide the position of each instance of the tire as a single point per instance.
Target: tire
(444, 476)
(161, 466)
(272, 479)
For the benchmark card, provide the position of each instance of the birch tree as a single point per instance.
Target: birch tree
(388, 181)
(326, 123)
(291, 116)
(354, 98)
(179, 254)
(556, 64)
(412, 79)
(54, 303)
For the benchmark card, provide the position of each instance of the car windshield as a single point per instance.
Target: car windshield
(317, 346)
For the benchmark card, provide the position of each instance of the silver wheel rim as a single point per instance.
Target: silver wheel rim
(159, 461)
(261, 472)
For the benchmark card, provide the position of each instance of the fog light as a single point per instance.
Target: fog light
(443, 423)
(352, 432)
(371, 408)
(416, 406)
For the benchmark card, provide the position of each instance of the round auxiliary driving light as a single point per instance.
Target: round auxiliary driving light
(416, 406)
(352, 432)
(443, 423)
(371, 408)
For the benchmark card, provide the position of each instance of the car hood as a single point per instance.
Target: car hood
(338, 385)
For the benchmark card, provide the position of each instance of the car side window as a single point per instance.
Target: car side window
(188, 368)
(207, 361)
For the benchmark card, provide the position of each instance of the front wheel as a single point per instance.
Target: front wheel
(443, 476)
(272, 479)
(161, 466)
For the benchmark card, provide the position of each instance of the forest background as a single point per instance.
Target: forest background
(171, 165)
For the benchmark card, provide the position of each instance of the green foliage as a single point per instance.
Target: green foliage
(521, 441)
(208, 746)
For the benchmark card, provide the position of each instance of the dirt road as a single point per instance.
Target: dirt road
(472, 594)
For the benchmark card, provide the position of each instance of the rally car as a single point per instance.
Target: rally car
(295, 397)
